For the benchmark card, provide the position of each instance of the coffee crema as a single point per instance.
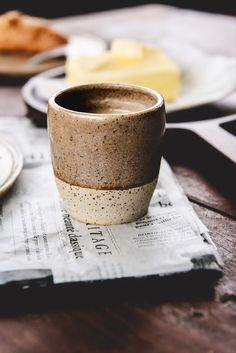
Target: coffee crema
(105, 101)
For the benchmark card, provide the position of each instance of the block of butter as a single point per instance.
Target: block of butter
(127, 61)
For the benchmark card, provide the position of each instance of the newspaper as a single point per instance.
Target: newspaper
(37, 233)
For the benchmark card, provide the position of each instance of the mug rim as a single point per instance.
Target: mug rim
(138, 88)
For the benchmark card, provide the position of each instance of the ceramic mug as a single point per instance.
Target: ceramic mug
(106, 150)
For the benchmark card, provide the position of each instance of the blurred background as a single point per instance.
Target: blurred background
(71, 7)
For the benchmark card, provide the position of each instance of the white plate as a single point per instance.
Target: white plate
(204, 78)
(11, 164)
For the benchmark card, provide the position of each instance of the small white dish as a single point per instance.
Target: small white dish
(11, 164)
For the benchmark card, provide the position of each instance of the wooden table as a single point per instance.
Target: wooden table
(181, 315)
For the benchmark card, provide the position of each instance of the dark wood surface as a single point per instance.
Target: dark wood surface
(182, 315)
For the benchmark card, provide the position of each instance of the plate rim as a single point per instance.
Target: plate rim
(27, 88)
(19, 164)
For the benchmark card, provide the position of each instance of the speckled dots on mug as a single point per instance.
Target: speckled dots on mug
(106, 150)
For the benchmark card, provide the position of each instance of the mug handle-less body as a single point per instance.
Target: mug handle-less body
(213, 133)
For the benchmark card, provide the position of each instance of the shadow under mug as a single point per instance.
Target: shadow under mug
(106, 149)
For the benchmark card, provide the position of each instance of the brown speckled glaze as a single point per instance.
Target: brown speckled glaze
(106, 136)
(106, 151)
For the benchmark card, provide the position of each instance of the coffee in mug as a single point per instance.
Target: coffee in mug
(106, 147)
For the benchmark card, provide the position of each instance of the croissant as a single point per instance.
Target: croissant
(23, 33)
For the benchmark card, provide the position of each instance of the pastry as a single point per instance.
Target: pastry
(27, 34)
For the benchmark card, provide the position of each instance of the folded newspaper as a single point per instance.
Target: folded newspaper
(38, 237)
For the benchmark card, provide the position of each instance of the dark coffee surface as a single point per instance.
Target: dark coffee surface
(103, 100)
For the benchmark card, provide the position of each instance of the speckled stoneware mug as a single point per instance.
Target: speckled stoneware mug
(106, 150)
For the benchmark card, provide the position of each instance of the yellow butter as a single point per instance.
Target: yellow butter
(127, 61)
(127, 50)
